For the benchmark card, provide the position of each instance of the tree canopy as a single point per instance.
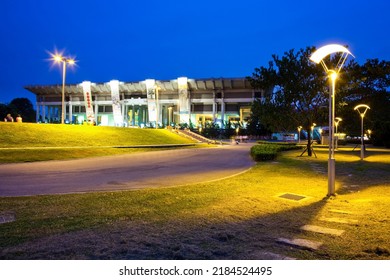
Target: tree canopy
(19, 106)
(297, 92)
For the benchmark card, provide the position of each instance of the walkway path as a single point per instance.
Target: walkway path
(124, 172)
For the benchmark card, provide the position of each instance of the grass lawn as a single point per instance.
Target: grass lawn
(23, 142)
(237, 218)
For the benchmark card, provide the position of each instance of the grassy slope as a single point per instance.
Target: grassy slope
(87, 141)
(54, 135)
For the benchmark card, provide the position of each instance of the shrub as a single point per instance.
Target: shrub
(269, 151)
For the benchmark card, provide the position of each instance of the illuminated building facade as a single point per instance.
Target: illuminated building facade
(148, 102)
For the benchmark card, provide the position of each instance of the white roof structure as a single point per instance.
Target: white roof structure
(208, 84)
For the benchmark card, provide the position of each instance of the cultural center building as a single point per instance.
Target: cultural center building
(148, 103)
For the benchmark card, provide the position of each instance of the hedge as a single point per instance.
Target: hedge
(269, 151)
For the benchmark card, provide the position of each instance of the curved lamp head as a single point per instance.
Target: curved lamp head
(324, 51)
(360, 110)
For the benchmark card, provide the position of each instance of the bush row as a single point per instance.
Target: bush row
(269, 151)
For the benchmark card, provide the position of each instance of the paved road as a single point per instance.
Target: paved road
(124, 172)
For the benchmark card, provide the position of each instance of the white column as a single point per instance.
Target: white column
(124, 112)
(214, 107)
(96, 110)
(184, 101)
(222, 109)
(116, 103)
(37, 112)
(70, 109)
(43, 111)
(151, 99)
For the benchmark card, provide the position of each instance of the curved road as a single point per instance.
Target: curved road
(124, 172)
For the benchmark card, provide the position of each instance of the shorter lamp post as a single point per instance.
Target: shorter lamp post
(336, 123)
(362, 110)
(299, 134)
(312, 130)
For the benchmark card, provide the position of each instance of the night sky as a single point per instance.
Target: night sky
(136, 40)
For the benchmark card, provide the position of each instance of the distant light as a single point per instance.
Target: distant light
(322, 52)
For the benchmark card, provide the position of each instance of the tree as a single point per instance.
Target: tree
(367, 84)
(4, 110)
(24, 108)
(296, 92)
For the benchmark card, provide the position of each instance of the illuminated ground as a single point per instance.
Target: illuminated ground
(248, 216)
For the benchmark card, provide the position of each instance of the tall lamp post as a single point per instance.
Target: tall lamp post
(362, 109)
(318, 57)
(65, 60)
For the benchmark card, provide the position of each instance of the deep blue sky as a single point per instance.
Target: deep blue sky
(135, 40)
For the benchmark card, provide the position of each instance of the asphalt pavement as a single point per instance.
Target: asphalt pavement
(125, 172)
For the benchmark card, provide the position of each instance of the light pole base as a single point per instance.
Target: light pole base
(361, 152)
(331, 176)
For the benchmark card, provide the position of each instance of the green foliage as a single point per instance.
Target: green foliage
(295, 91)
(296, 94)
(381, 134)
(269, 151)
(19, 106)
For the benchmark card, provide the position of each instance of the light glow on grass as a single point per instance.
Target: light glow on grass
(236, 218)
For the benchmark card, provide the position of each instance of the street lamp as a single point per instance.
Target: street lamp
(312, 131)
(336, 122)
(318, 57)
(299, 134)
(58, 58)
(362, 109)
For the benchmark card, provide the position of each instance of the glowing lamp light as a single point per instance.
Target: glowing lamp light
(57, 58)
(333, 75)
(324, 51)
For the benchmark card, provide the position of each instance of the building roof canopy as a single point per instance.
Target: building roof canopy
(209, 84)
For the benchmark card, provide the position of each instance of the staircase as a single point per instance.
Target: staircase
(194, 136)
